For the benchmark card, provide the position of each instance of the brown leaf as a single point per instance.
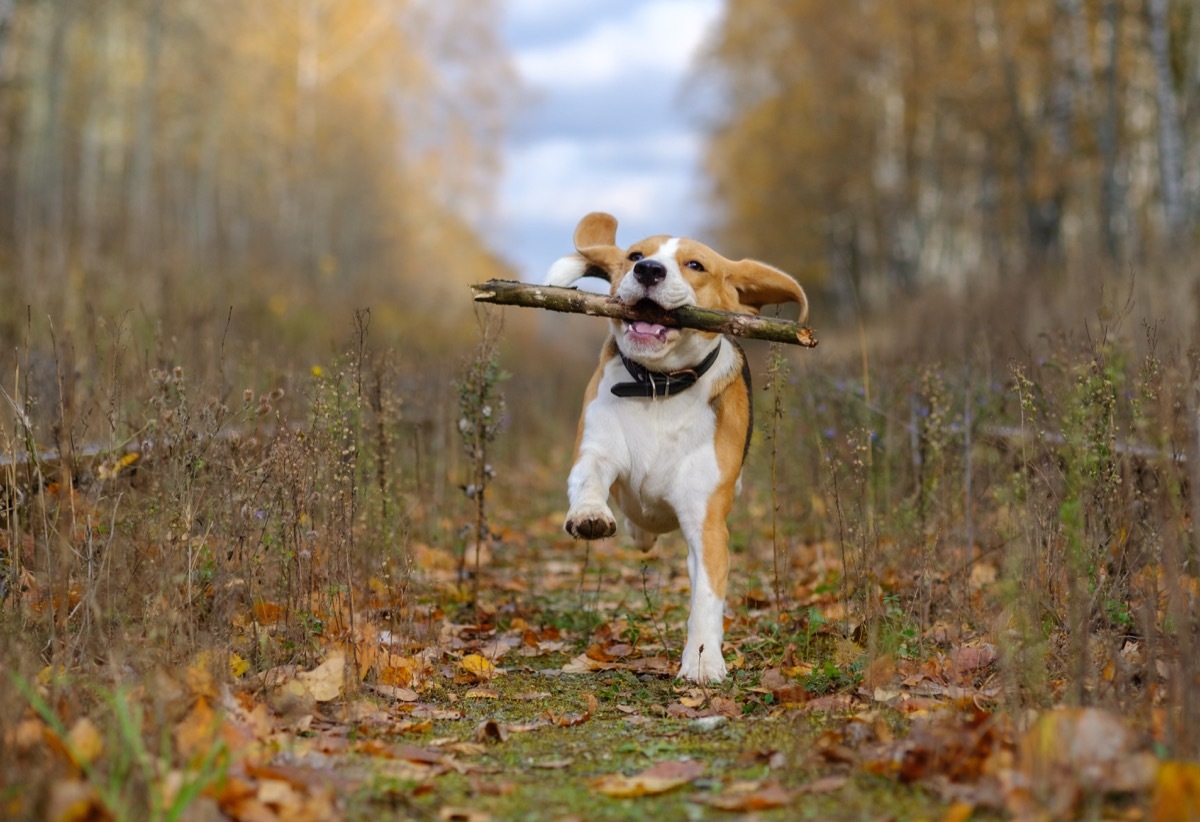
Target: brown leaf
(879, 672)
(71, 800)
(491, 731)
(657, 779)
(774, 679)
(292, 700)
(457, 814)
(826, 784)
(970, 658)
(1091, 748)
(570, 720)
(761, 798)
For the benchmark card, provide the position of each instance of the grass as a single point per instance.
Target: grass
(899, 507)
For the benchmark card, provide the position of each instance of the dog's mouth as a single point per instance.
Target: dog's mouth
(645, 332)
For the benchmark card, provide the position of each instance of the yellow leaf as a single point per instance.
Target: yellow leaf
(51, 674)
(237, 665)
(478, 666)
(199, 676)
(84, 742)
(196, 733)
(1176, 792)
(325, 681)
(482, 693)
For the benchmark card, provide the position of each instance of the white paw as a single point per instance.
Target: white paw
(593, 521)
(702, 664)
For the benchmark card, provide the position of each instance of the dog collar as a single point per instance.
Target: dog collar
(649, 383)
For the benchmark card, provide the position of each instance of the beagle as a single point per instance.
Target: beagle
(667, 416)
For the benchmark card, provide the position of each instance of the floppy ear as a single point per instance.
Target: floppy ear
(597, 254)
(758, 284)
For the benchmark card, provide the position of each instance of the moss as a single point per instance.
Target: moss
(547, 773)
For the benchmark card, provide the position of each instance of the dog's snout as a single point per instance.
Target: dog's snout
(649, 272)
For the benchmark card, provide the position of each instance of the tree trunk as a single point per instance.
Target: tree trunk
(1170, 136)
(142, 228)
(1108, 118)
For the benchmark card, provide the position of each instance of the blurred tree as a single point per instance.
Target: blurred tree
(874, 147)
(173, 152)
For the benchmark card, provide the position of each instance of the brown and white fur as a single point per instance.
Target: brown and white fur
(671, 462)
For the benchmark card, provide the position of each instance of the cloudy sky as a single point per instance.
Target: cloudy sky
(608, 126)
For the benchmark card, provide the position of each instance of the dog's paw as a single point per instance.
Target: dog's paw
(590, 522)
(702, 666)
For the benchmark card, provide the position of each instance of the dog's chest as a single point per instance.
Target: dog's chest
(659, 444)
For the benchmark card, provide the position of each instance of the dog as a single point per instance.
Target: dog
(667, 415)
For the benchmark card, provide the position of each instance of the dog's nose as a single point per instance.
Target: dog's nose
(649, 272)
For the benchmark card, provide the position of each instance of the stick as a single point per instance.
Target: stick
(573, 301)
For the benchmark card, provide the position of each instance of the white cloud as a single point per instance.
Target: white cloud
(557, 181)
(658, 37)
(606, 133)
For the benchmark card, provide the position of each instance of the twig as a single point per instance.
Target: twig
(572, 301)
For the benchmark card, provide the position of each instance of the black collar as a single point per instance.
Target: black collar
(649, 383)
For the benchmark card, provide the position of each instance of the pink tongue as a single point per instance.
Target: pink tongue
(646, 328)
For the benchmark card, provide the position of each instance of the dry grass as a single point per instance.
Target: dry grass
(950, 481)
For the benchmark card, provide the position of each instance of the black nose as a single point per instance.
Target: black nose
(649, 272)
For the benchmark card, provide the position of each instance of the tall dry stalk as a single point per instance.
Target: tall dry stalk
(481, 408)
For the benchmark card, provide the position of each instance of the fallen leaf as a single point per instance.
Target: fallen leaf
(482, 693)
(570, 720)
(291, 700)
(197, 732)
(455, 814)
(657, 779)
(1176, 792)
(491, 731)
(394, 692)
(84, 742)
(759, 798)
(199, 676)
(71, 800)
(970, 658)
(826, 784)
(958, 812)
(326, 680)
(237, 666)
(1089, 748)
(479, 667)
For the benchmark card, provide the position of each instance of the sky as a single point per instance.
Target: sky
(608, 126)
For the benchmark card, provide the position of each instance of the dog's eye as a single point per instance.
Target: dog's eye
(694, 265)
(634, 256)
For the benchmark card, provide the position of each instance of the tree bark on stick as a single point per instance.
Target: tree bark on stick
(572, 301)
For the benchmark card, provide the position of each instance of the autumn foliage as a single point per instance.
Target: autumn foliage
(281, 516)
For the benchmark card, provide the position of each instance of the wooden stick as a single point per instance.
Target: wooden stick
(573, 301)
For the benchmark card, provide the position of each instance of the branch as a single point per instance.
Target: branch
(572, 301)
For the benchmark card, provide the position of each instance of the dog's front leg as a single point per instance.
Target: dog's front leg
(708, 568)
(588, 488)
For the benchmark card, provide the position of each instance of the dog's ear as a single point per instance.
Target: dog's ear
(758, 284)
(597, 254)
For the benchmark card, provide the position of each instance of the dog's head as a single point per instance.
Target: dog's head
(670, 272)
